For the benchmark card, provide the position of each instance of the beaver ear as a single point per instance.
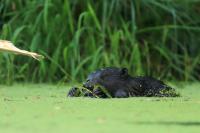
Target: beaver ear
(124, 71)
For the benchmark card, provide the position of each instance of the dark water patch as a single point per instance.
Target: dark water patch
(170, 123)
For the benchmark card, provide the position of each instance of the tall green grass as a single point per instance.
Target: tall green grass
(150, 37)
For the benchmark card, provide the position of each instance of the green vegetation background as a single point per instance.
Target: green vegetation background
(150, 37)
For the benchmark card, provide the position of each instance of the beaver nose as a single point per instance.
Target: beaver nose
(87, 85)
(84, 84)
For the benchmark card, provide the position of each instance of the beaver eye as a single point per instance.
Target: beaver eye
(102, 76)
(124, 72)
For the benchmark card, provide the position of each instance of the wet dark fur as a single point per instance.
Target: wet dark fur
(117, 83)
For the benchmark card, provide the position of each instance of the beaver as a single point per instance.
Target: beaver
(115, 82)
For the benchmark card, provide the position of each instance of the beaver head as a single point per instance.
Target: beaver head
(105, 77)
